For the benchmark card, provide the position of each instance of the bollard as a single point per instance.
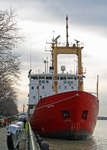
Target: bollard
(44, 145)
(39, 139)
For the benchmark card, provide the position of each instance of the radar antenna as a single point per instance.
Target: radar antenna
(77, 42)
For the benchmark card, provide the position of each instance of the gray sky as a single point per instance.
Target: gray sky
(87, 23)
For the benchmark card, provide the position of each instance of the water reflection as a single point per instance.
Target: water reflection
(56, 144)
(97, 142)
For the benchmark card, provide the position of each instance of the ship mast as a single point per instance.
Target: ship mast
(67, 43)
(52, 53)
(75, 49)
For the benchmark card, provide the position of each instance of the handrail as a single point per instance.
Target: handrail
(15, 135)
(31, 135)
(35, 142)
(32, 141)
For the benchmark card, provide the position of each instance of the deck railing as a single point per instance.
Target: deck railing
(15, 135)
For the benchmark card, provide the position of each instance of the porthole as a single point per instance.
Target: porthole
(66, 113)
(84, 114)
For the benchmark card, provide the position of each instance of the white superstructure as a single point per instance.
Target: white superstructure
(42, 85)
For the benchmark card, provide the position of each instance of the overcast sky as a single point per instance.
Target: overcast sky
(87, 23)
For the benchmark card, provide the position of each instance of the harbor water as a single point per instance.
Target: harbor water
(97, 142)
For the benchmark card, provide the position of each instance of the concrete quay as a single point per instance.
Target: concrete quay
(3, 140)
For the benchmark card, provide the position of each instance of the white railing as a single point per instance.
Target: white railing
(15, 135)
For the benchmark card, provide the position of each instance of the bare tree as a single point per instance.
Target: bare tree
(9, 63)
(8, 28)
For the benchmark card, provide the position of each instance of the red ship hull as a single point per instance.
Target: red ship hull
(69, 115)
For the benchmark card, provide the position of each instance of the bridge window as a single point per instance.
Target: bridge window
(33, 97)
(57, 78)
(65, 87)
(31, 106)
(71, 82)
(64, 81)
(59, 87)
(62, 78)
(75, 78)
(49, 78)
(43, 81)
(47, 81)
(41, 77)
(43, 87)
(39, 81)
(35, 77)
(70, 77)
(68, 82)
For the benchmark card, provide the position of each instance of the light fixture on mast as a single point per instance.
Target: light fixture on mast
(55, 40)
(77, 42)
